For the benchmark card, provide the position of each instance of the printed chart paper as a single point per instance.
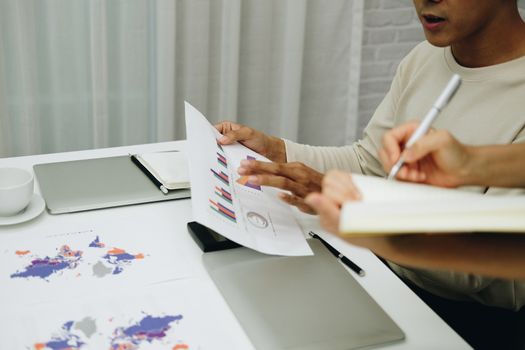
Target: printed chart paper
(65, 264)
(172, 316)
(228, 203)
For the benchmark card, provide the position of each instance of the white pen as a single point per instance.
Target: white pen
(423, 128)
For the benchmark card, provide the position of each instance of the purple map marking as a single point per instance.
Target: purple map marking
(148, 329)
(96, 243)
(45, 267)
(120, 259)
(64, 341)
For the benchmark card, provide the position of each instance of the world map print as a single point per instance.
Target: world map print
(119, 258)
(45, 267)
(63, 340)
(106, 261)
(84, 334)
(149, 329)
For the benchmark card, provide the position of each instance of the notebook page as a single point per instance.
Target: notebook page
(170, 168)
(392, 207)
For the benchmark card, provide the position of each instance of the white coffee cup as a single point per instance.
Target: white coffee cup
(16, 190)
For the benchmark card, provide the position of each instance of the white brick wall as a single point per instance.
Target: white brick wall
(391, 30)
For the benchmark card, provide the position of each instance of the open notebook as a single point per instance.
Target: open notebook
(393, 207)
(169, 169)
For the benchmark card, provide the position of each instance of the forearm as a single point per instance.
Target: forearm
(499, 166)
(323, 158)
(357, 158)
(492, 255)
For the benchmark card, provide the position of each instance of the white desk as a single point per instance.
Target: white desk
(422, 327)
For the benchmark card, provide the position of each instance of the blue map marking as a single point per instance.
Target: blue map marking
(45, 267)
(148, 329)
(96, 243)
(64, 341)
(120, 259)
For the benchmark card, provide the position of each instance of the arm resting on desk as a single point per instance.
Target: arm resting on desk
(492, 255)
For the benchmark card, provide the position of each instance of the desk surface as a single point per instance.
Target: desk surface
(423, 328)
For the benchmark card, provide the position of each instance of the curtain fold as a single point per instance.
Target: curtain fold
(98, 73)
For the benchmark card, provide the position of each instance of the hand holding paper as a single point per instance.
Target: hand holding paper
(267, 146)
(231, 204)
(296, 178)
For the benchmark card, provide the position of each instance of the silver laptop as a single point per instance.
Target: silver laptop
(299, 303)
(97, 183)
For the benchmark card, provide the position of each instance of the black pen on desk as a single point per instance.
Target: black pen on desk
(148, 174)
(349, 263)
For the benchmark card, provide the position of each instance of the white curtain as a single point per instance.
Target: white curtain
(92, 73)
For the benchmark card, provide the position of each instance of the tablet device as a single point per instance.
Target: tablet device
(209, 240)
(299, 303)
(97, 183)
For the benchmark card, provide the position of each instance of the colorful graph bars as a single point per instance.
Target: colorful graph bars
(222, 176)
(222, 210)
(222, 160)
(222, 193)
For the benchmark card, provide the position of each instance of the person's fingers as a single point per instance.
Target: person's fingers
(414, 172)
(327, 210)
(281, 182)
(427, 144)
(339, 187)
(402, 174)
(337, 196)
(295, 171)
(232, 132)
(342, 181)
(226, 126)
(249, 167)
(297, 202)
(412, 175)
(394, 139)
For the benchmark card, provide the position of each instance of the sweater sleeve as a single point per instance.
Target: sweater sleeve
(361, 156)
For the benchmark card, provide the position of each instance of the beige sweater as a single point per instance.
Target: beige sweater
(489, 108)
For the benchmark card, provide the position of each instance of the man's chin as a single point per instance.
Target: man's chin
(437, 40)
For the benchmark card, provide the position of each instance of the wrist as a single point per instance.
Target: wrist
(475, 169)
(276, 150)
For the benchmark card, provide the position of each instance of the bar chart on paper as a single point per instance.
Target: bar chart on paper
(223, 211)
(231, 205)
(221, 201)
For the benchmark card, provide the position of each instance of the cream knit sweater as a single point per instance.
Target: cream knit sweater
(489, 108)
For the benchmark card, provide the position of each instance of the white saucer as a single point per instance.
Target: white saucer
(35, 208)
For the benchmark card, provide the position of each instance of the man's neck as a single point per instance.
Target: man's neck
(493, 46)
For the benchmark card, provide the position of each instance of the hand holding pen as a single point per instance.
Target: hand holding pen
(443, 99)
(437, 158)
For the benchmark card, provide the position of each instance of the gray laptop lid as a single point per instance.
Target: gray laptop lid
(97, 183)
(297, 303)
